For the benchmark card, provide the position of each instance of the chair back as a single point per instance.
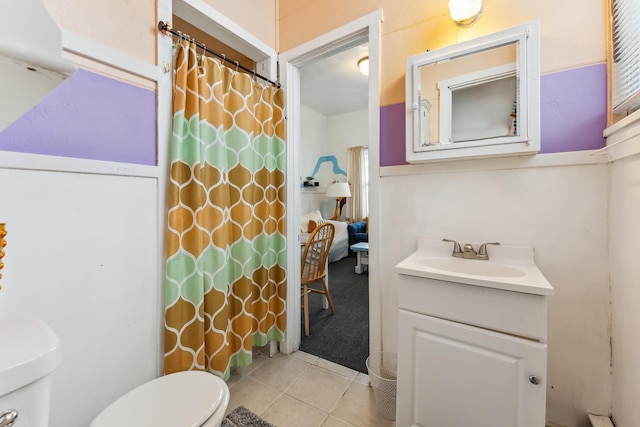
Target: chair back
(316, 250)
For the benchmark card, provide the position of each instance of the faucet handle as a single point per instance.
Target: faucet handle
(482, 252)
(457, 250)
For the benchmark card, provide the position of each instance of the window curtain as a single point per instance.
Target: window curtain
(357, 175)
(225, 284)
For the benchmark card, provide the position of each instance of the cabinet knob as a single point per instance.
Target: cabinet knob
(534, 380)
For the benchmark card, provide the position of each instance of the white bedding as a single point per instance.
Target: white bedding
(339, 247)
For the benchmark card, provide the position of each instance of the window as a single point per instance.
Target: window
(358, 177)
(625, 63)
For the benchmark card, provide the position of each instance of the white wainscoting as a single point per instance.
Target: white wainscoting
(82, 255)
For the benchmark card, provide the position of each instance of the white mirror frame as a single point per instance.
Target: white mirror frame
(527, 37)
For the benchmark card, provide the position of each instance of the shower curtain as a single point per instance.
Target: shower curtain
(225, 284)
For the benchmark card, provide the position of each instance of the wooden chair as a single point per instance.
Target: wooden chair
(314, 263)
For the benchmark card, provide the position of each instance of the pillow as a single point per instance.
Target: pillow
(314, 224)
(304, 221)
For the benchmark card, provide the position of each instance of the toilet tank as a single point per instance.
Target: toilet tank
(29, 352)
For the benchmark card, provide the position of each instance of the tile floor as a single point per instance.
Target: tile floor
(302, 390)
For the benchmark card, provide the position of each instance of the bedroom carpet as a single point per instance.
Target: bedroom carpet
(344, 337)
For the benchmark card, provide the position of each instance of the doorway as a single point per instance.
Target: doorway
(364, 30)
(334, 135)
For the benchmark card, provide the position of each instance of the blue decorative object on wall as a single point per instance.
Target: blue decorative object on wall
(330, 159)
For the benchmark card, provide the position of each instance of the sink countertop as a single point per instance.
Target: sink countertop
(510, 268)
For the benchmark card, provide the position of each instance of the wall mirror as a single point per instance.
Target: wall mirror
(476, 98)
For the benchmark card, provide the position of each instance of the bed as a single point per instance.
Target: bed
(339, 247)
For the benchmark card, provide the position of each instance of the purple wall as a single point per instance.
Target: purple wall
(573, 109)
(392, 135)
(89, 116)
(573, 114)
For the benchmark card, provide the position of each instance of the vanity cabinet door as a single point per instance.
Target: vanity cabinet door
(455, 375)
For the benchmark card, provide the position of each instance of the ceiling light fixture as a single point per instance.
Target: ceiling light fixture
(363, 65)
(465, 12)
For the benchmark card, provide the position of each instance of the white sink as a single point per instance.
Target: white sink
(510, 268)
(470, 266)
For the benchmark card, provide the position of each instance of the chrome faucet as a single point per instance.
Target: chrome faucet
(457, 251)
(482, 252)
(468, 252)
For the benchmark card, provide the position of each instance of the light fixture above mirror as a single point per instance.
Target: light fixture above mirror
(465, 12)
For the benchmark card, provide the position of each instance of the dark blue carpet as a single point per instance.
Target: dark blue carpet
(344, 337)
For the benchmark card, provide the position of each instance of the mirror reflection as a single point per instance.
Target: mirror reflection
(472, 97)
(475, 94)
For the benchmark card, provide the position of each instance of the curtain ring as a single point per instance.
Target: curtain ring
(224, 58)
(237, 65)
(204, 53)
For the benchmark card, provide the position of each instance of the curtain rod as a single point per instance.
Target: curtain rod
(165, 28)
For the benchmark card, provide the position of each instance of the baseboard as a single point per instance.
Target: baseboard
(551, 424)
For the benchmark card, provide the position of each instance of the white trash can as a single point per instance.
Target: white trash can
(383, 374)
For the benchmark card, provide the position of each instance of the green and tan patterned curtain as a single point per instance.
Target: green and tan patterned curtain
(225, 284)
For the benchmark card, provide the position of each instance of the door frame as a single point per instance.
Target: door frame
(359, 31)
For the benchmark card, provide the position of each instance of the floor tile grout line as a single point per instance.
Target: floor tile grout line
(298, 377)
(275, 389)
(280, 393)
(341, 397)
(330, 412)
(317, 363)
(307, 365)
(249, 372)
(337, 364)
(271, 404)
(309, 404)
(337, 373)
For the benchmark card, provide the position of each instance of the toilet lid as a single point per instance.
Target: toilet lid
(183, 399)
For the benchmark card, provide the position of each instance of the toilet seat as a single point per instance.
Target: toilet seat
(183, 399)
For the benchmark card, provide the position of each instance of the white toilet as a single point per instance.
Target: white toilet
(183, 399)
(30, 352)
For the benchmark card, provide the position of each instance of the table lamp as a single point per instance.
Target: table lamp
(338, 190)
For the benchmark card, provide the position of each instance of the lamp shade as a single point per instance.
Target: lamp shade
(339, 189)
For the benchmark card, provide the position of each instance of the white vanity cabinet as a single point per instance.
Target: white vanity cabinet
(470, 355)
